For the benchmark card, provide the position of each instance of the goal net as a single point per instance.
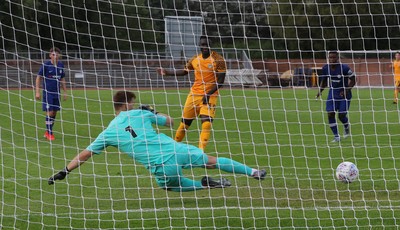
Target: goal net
(267, 116)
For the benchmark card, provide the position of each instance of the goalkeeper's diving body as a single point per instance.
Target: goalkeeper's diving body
(132, 132)
(209, 72)
(342, 80)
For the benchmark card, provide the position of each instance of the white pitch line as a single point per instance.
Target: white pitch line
(150, 210)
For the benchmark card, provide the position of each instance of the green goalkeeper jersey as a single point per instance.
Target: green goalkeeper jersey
(132, 132)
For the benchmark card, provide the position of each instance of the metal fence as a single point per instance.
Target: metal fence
(103, 69)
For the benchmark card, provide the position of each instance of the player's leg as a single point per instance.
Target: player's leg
(344, 107)
(331, 105)
(47, 106)
(53, 115)
(205, 133)
(53, 108)
(207, 114)
(188, 115)
(396, 91)
(169, 176)
(189, 156)
(50, 118)
(183, 127)
(232, 166)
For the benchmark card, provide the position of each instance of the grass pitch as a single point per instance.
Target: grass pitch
(284, 131)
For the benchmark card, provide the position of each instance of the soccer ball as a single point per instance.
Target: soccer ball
(346, 172)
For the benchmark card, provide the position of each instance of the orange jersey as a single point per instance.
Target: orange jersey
(396, 70)
(205, 71)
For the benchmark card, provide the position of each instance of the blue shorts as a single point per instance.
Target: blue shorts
(170, 173)
(337, 105)
(51, 102)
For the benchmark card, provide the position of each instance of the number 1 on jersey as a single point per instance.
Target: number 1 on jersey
(129, 129)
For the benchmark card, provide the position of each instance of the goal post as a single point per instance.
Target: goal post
(263, 119)
(373, 67)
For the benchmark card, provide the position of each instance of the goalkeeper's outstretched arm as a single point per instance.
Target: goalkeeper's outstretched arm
(81, 158)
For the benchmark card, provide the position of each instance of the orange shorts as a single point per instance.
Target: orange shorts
(194, 106)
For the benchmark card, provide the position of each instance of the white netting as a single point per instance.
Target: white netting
(267, 116)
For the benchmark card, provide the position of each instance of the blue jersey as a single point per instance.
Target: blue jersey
(339, 80)
(132, 132)
(52, 75)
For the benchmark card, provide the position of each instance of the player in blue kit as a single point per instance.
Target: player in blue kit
(132, 132)
(342, 80)
(52, 73)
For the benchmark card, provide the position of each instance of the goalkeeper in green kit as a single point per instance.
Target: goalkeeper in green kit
(132, 132)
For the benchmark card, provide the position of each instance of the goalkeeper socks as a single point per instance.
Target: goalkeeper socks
(229, 165)
(205, 134)
(181, 131)
(333, 126)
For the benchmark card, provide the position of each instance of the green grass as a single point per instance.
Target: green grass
(283, 131)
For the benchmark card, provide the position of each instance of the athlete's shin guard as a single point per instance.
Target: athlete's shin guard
(181, 132)
(205, 134)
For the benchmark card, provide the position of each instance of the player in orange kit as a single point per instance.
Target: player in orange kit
(209, 70)
(396, 71)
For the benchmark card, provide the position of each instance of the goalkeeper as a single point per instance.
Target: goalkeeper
(132, 132)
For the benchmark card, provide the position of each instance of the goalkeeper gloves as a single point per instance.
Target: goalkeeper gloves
(148, 108)
(58, 176)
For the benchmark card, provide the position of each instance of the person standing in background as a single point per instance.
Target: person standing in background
(396, 71)
(52, 73)
(209, 71)
(342, 80)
